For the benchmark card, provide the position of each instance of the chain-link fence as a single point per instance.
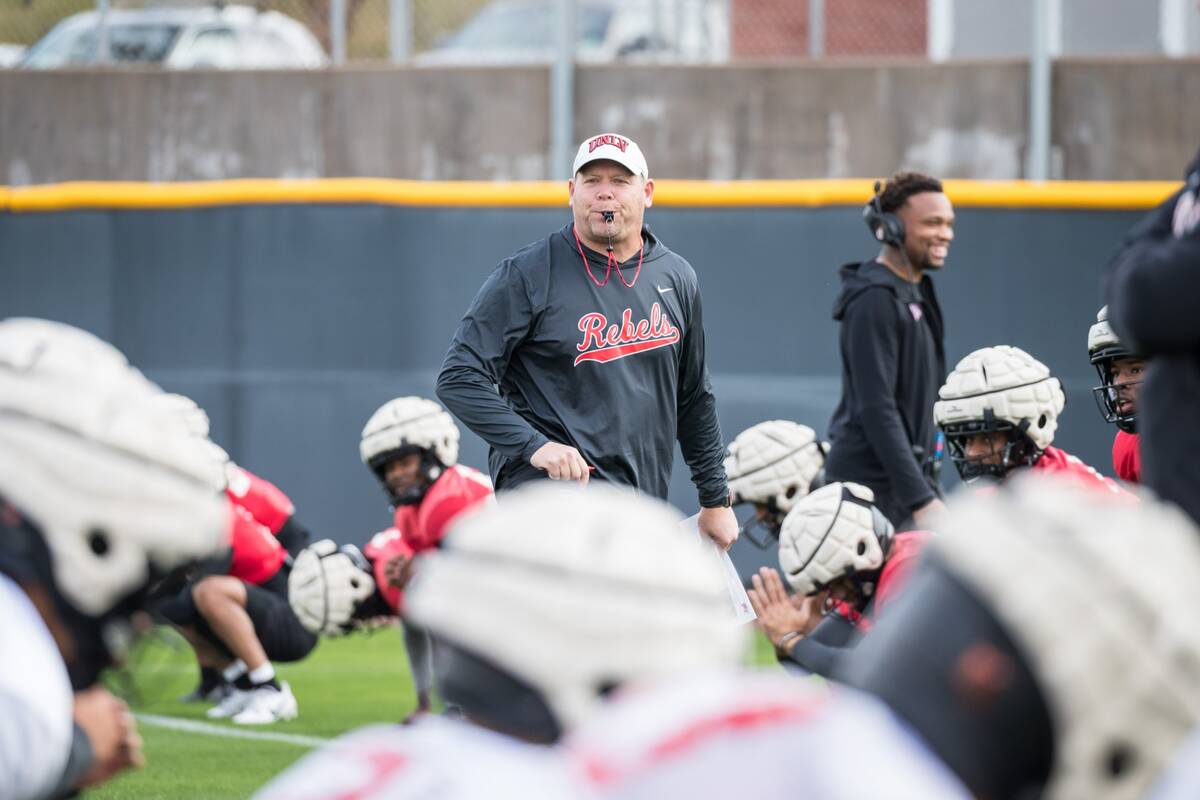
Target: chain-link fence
(692, 31)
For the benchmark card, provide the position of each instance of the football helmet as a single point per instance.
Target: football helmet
(567, 592)
(104, 492)
(1003, 390)
(408, 425)
(773, 464)
(835, 532)
(327, 585)
(1104, 348)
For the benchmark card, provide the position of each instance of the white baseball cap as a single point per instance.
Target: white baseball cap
(611, 147)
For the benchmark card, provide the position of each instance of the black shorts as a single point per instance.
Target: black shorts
(276, 625)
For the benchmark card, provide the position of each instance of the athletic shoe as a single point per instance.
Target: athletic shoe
(268, 704)
(232, 704)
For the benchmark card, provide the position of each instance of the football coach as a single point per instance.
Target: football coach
(594, 337)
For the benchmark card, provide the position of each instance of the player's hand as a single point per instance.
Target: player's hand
(116, 745)
(398, 571)
(720, 525)
(561, 462)
(926, 516)
(778, 614)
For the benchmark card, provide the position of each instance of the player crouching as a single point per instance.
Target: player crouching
(773, 465)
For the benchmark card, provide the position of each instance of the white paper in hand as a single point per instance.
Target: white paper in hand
(743, 612)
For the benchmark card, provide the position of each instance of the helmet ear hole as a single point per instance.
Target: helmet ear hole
(1042, 421)
(862, 547)
(98, 542)
(791, 491)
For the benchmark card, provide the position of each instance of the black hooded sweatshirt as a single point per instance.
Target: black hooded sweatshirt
(616, 371)
(1152, 294)
(893, 363)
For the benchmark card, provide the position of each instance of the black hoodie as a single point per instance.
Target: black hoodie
(893, 363)
(1152, 293)
(616, 371)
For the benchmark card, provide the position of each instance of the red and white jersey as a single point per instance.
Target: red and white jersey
(257, 554)
(383, 547)
(1127, 457)
(902, 557)
(761, 736)
(434, 759)
(1063, 463)
(263, 499)
(456, 490)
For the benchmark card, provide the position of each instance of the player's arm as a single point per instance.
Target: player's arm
(1152, 286)
(872, 358)
(497, 321)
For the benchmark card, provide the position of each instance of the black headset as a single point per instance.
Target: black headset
(884, 226)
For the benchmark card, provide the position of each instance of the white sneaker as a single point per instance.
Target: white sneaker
(234, 702)
(268, 705)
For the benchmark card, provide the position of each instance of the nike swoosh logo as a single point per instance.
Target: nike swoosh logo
(661, 290)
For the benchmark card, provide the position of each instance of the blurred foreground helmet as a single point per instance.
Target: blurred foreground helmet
(1103, 349)
(999, 390)
(195, 421)
(327, 586)
(546, 600)
(836, 532)
(1040, 648)
(102, 492)
(410, 425)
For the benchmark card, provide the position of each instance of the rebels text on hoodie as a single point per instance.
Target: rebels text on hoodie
(617, 372)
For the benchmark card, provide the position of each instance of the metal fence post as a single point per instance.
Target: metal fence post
(562, 92)
(337, 31)
(1038, 167)
(816, 28)
(399, 30)
(102, 54)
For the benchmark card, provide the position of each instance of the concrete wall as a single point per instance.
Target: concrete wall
(291, 324)
(1111, 120)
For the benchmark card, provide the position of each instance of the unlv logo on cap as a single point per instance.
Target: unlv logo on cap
(603, 342)
(609, 139)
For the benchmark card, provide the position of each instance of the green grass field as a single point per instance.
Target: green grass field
(345, 683)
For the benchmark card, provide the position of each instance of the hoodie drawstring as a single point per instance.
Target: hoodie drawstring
(608, 266)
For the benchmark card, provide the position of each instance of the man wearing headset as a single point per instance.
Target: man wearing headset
(893, 354)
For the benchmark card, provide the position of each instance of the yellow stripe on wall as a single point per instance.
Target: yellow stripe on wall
(544, 194)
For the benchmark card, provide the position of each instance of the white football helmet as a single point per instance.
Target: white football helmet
(1103, 349)
(835, 532)
(1115, 660)
(189, 414)
(573, 590)
(327, 585)
(113, 486)
(410, 424)
(999, 389)
(773, 464)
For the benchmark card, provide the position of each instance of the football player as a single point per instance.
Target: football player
(999, 409)
(1120, 371)
(100, 495)
(845, 562)
(1037, 649)
(543, 607)
(773, 465)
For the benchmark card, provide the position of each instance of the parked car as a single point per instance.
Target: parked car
(200, 37)
(524, 32)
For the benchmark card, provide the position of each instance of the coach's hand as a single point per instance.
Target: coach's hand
(561, 462)
(720, 525)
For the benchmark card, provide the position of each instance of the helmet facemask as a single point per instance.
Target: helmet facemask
(1108, 393)
(1018, 449)
(430, 469)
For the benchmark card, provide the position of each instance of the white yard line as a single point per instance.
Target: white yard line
(208, 729)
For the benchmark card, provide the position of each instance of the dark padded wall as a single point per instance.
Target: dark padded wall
(291, 324)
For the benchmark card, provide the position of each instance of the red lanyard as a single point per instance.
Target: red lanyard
(608, 266)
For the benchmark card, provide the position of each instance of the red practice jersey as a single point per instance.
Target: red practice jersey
(902, 557)
(383, 547)
(456, 490)
(257, 554)
(263, 499)
(1127, 457)
(1067, 465)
